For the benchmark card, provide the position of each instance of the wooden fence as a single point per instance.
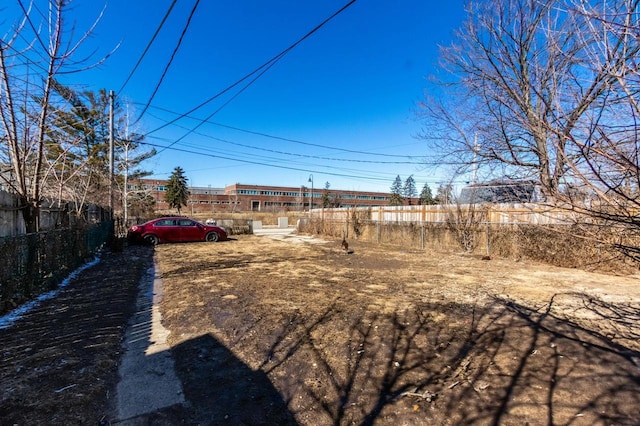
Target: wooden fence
(53, 215)
(518, 231)
(512, 214)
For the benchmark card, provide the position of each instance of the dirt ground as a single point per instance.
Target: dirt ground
(279, 332)
(60, 359)
(276, 332)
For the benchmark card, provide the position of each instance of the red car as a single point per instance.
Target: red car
(174, 230)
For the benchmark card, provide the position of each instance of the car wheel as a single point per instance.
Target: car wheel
(212, 237)
(151, 239)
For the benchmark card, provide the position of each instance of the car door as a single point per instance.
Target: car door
(166, 230)
(189, 230)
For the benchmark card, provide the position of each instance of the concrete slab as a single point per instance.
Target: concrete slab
(289, 235)
(270, 230)
(148, 381)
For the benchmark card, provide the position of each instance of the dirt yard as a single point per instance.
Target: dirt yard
(60, 359)
(298, 332)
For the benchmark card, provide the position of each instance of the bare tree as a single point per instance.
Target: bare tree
(546, 89)
(444, 194)
(27, 75)
(465, 224)
(610, 175)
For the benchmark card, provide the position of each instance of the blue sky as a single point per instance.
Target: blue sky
(339, 106)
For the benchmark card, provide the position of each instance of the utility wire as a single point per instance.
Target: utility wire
(315, 157)
(173, 54)
(153, 38)
(206, 154)
(268, 64)
(275, 161)
(305, 170)
(291, 154)
(201, 122)
(266, 135)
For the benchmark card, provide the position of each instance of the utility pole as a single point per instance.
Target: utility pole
(111, 153)
(125, 195)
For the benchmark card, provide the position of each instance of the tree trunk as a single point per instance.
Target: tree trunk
(30, 214)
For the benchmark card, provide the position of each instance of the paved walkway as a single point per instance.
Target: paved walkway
(148, 381)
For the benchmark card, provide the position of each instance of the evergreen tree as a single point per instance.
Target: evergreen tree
(396, 192)
(177, 191)
(78, 148)
(409, 190)
(426, 196)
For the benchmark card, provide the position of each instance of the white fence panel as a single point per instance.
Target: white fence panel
(506, 214)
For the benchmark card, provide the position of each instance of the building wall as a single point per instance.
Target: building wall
(241, 197)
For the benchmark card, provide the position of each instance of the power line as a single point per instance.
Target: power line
(173, 54)
(246, 86)
(206, 154)
(278, 137)
(315, 157)
(374, 176)
(164, 19)
(291, 154)
(267, 65)
(272, 161)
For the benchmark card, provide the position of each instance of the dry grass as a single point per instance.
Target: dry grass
(390, 335)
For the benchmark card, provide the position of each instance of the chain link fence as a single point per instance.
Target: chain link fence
(35, 263)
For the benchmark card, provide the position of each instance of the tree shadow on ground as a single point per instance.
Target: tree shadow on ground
(434, 363)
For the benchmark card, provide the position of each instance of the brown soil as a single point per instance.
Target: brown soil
(60, 360)
(278, 332)
(289, 332)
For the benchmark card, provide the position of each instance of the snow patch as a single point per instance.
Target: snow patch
(9, 319)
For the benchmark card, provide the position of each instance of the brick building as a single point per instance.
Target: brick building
(240, 197)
